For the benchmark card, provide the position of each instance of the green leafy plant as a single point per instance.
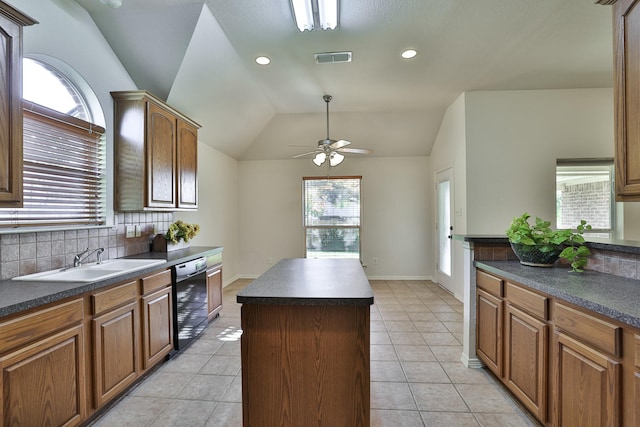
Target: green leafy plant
(547, 240)
(181, 230)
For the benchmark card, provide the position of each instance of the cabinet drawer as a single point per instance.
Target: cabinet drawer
(591, 330)
(156, 281)
(490, 284)
(113, 297)
(528, 301)
(23, 329)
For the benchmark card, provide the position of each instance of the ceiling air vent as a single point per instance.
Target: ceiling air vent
(332, 57)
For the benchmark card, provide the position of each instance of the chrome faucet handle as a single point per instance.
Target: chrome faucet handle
(99, 252)
(77, 258)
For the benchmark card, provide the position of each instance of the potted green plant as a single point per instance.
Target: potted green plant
(177, 237)
(538, 245)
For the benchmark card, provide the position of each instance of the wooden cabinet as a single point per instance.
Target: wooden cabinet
(157, 320)
(214, 290)
(115, 341)
(588, 369)
(11, 24)
(527, 348)
(156, 154)
(489, 321)
(627, 98)
(512, 339)
(567, 365)
(42, 367)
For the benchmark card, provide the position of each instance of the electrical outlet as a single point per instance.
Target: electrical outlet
(138, 229)
(130, 231)
(375, 261)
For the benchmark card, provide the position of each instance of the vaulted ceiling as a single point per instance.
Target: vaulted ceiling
(199, 56)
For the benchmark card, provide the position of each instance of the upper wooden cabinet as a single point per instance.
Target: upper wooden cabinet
(156, 151)
(626, 28)
(11, 23)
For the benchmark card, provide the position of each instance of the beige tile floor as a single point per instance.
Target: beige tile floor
(417, 378)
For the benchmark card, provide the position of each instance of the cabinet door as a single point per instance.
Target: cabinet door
(115, 349)
(187, 165)
(587, 385)
(214, 291)
(161, 157)
(627, 98)
(10, 112)
(489, 331)
(526, 355)
(42, 384)
(157, 326)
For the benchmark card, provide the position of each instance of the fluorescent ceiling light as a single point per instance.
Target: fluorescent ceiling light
(309, 13)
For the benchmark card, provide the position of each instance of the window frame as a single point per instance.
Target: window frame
(600, 162)
(333, 226)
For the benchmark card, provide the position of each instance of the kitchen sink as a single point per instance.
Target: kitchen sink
(91, 272)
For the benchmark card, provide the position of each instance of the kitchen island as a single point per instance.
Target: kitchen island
(305, 344)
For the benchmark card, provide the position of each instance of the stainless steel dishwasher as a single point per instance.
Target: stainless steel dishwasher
(189, 301)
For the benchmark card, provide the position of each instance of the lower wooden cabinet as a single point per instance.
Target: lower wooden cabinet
(42, 384)
(42, 367)
(115, 351)
(489, 330)
(214, 290)
(157, 326)
(587, 385)
(526, 359)
(567, 365)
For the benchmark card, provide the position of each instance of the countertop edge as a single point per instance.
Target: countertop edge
(71, 289)
(606, 310)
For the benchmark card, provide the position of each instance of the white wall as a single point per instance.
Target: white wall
(217, 212)
(396, 204)
(449, 152)
(513, 141)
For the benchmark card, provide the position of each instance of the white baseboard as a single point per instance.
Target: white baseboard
(400, 278)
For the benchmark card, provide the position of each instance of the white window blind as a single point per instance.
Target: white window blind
(64, 171)
(332, 214)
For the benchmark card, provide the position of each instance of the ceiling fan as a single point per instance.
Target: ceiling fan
(330, 148)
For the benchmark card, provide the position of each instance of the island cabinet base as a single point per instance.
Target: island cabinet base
(305, 365)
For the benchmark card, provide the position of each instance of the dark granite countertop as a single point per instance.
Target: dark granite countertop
(612, 296)
(16, 296)
(301, 281)
(626, 246)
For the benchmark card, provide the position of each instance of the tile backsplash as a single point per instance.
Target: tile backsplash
(26, 253)
(604, 261)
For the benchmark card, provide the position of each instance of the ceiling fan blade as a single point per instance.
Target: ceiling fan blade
(301, 146)
(355, 150)
(339, 144)
(305, 154)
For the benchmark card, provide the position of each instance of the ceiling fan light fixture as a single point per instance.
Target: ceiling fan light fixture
(335, 159)
(308, 13)
(319, 159)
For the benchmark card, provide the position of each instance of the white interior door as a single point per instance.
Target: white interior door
(444, 227)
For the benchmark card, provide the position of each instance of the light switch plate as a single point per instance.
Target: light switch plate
(138, 229)
(130, 231)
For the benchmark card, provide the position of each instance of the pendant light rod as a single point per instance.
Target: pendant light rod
(327, 99)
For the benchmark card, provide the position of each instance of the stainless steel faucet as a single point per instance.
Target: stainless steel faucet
(77, 260)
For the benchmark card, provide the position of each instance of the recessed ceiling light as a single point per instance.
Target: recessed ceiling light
(409, 53)
(263, 60)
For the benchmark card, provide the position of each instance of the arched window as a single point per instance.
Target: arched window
(43, 84)
(64, 154)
